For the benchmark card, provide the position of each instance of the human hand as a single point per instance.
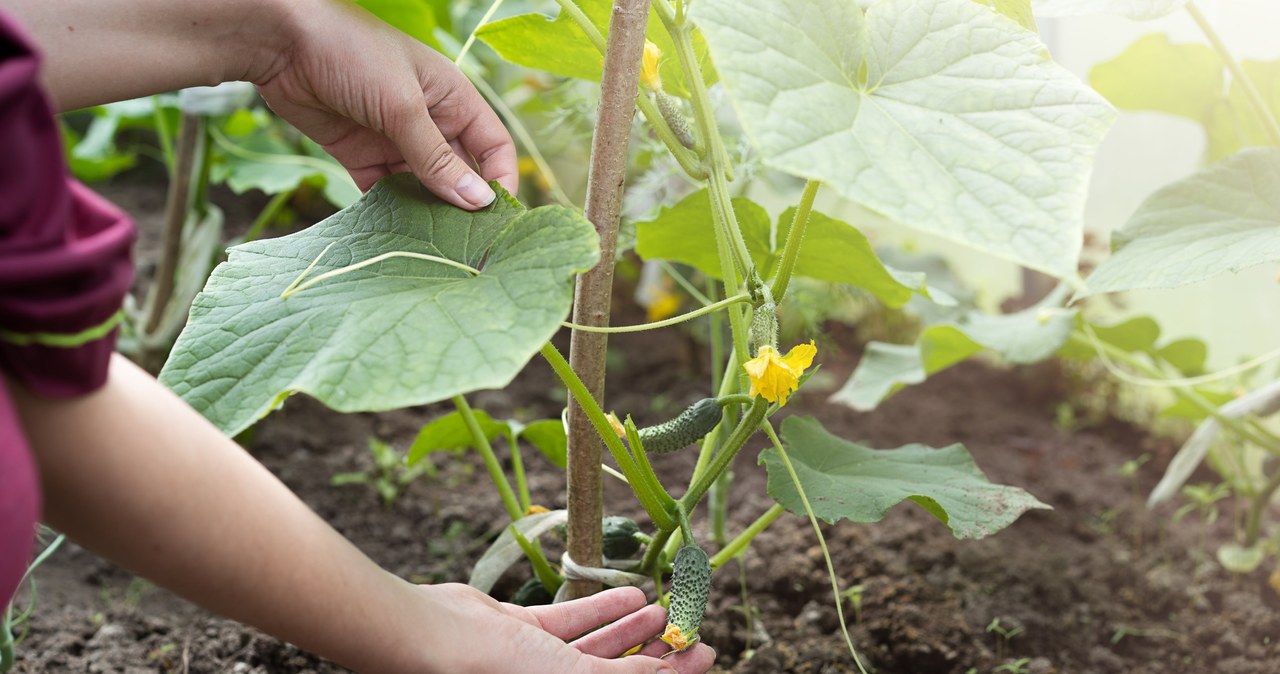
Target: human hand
(381, 102)
(490, 635)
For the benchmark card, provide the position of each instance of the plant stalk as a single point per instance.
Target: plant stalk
(724, 458)
(177, 204)
(743, 540)
(619, 88)
(1257, 506)
(794, 237)
(491, 464)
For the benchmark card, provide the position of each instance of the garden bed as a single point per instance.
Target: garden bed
(1086, 589)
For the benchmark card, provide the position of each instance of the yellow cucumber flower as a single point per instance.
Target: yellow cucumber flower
(649, 76)
(774, 376)
(677, 639)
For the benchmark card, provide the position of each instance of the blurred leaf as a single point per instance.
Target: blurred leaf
(450, 432)
(1025, 337)
(559, 46)
(1224, 218)
(548, 436)
(415, 18)
(1239, 559)
(1154, 74)
(1188, 355)
(843, 480)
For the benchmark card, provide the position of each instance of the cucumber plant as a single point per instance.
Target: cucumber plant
(402, 300)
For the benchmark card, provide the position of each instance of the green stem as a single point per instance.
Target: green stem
(649, 479)
(649, 563)
(686, 159)
(703, 299)
(541, 567)
(743, 540)
(686, 529)
(1256, 102)
(517, 470)
(163, 134)
(728, 384)
(792, 249)
(481, 442)
(674, 320)
(724, 458)
(655, 508)
(267, 215)
(1257, 506)
(822, 541)
(471, 39)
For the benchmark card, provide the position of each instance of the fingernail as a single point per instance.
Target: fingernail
(476, 191)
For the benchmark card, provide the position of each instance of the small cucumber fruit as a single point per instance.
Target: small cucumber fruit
(618, 535)
(532, 593)
(684, 430)
(690, 589)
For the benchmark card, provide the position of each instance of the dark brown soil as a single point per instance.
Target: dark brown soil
(1096, 585)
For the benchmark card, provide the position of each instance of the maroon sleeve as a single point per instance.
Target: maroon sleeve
(64, 252)
(64, 270)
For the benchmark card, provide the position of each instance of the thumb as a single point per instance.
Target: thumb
(432, 159)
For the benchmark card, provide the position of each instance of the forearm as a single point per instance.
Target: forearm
(135, 475)
(97, 51)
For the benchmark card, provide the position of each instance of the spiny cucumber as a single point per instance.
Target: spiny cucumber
(690, 589)
(684, 430)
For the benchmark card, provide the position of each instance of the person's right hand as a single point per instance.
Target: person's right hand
(381, 102)
(494, 637)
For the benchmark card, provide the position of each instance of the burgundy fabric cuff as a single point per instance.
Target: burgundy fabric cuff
(64, 252)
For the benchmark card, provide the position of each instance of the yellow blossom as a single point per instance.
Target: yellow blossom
(616, 424)
(677, 639)
(649, 76)
(536, 510)
(774, 376)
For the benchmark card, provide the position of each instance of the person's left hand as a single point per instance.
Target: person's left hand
(381, 102)
(536, 636)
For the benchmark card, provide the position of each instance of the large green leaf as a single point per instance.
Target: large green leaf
(560, 47)
(832, 250)
(1224, 218)
(843, 480)
(398, 333)
(1025, 337)
(939, 114)
(1134, 9)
